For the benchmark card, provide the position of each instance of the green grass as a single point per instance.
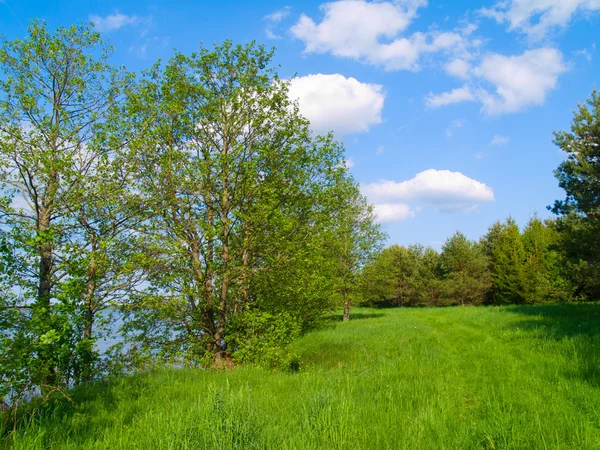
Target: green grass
(488, 377)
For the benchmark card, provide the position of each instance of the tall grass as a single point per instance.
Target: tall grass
(497, 377)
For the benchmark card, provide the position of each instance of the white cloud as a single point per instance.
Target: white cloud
(273, 19)
(499, 140)
(520, 81)
(457, 95)
(113, 21)
(457, 68)
(392, 212)
(441, 190)
(380, 150)
(349, 163)
(279, 15)
(517, 82)
(538, 17)
(271, 35)
(370, 32)
(336, 103)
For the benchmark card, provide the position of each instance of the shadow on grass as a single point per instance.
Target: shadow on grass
(579, 323)
(90, 400)
(339, 317)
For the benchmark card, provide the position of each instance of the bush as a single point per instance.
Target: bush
(261, 338)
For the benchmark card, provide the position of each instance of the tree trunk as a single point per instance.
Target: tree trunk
(240, 304)
(45, 252)
(346, 310)
(87, 356)
(48, 371)
(221, 357)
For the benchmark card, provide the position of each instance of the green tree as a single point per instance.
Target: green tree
(403, 276)
(579, 176)
(354, 238)
(56, 92)
(234, 198)
(429, 278)
(504, 246)
(466, 270)
(542, 278)
(378, 278)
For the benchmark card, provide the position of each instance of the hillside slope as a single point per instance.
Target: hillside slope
(503, 377)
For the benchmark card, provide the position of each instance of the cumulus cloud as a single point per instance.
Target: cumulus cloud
(520, 81)
(538, 17)
(441, 190)
(392, 212)
(113, 21)
(370, 32)
(499, 140)
(336, 103)
(458, 95)
(516, 82)
(457, 68)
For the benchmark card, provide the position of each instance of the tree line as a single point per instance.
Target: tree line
(507, 266)
(192, 207)
(547, 261)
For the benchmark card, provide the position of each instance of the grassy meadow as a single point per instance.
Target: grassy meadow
(474, 377)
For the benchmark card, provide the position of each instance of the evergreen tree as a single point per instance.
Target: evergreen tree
(466, 271)
(505, 246)
(429, 278)
(579, 176)
(542, 280)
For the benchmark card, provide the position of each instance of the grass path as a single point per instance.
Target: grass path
(452, 378)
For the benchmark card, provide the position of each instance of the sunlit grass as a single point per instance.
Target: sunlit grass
(497, 377)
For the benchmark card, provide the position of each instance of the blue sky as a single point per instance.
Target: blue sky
(446, 108)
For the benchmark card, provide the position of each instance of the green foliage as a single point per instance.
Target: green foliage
(398, 276)
(263, 339)
(543, 279)
(507, 256)
(239, 204)
(465, 268)
(579, 176)
(56, 91)
(418, 276)
(352, 240)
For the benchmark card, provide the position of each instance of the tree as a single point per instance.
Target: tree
(353, 240)
(235, 196)
(403, 276)
(56, 92)
(504, 246)
(429, 278)
(465, 266)
(406, 284)
(378, 277)
(579, 176)
(542, 278)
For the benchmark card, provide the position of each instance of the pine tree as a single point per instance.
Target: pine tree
(579, 176)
